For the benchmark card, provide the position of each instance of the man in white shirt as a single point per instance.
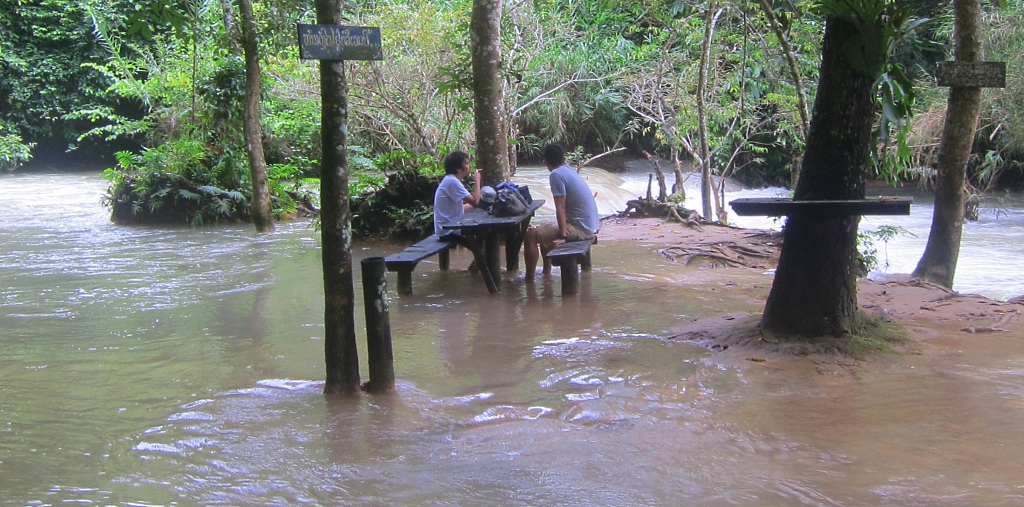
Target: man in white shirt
(451, 200)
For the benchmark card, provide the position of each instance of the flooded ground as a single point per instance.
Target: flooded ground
(157, 366)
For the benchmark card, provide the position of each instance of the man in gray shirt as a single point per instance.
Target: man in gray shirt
(576, 215)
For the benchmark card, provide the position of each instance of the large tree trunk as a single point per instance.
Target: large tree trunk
(815, 288)
(488, 91)
(259, 208)
(938, 263)
(336, 221)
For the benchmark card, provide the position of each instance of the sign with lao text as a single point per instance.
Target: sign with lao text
(336, 42)
(971, 75)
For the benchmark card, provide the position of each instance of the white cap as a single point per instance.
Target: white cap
(487, 194)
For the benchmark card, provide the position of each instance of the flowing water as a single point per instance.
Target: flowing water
(175, 366)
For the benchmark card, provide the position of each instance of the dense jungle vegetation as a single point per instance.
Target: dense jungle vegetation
(156, 88)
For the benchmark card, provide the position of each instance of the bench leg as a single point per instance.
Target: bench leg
(444, 258)
(585, 261)
(405, 282)
(570, 275)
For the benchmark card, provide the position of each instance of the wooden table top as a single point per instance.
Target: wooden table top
(478, 218)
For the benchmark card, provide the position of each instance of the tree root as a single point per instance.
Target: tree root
(728, 255)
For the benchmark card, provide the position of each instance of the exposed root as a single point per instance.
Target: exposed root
(728, 255)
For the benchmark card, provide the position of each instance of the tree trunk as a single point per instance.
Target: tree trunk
(798, 83)
(336, 221)
(259, 208)
(229, 22)
(938, 263)
(488, 91)
(702, 115)
(794, 69)
(815, 288)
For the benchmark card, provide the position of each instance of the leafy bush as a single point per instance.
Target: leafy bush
(403, 206)
(173, 183)
(13, 151)
(867, 251)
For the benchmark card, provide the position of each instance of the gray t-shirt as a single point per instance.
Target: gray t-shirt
(580, 206)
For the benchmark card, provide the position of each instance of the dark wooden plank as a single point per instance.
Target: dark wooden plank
(896, 205)
(335, 42)
(570, 248)
(971, 74)
(415, 253)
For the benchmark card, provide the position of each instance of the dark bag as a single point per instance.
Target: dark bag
(508, 203)
(522, 190)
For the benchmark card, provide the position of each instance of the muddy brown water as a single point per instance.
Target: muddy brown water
(173, 366)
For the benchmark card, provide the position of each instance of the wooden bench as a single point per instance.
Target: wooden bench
(405, 261)
(567, 256)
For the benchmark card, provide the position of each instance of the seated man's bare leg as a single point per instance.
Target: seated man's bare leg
(544, 236)
(531, 252)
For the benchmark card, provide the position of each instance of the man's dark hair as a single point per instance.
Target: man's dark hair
(453, 162)
(554, 154)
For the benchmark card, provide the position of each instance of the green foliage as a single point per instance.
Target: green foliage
(998, 159)
(399, 205)
(177, 182)
(867, 250)
(403, 160)
(12, 151)
(45, 49)
(882, 26)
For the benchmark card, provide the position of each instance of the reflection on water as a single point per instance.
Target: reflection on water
(159, 366)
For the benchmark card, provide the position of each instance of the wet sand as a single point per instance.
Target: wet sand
(924, 310)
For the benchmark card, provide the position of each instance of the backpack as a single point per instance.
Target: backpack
(508, 203)
(522, 190)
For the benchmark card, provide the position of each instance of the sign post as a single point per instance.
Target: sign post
(971, 74)
(332, 45)
(335, 42)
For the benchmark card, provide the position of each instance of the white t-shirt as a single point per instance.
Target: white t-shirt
(448, 201)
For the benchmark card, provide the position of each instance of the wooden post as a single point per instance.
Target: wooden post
(444, 259)
(405, 282)
(570, 275)
(378, 326)
(332, 44)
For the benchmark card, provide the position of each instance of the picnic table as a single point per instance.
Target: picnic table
(483, 232)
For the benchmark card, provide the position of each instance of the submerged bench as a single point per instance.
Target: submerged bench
(568, 256)
(405, 261)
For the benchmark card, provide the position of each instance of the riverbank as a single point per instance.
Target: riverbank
(924, 310)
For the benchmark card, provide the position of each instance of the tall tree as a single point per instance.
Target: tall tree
(815, 288)
(259, 206)
(488, 90)
(794, 68)
(336, 220)
(938, 263)
(702, 116)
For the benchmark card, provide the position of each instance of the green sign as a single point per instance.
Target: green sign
(336, 42)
